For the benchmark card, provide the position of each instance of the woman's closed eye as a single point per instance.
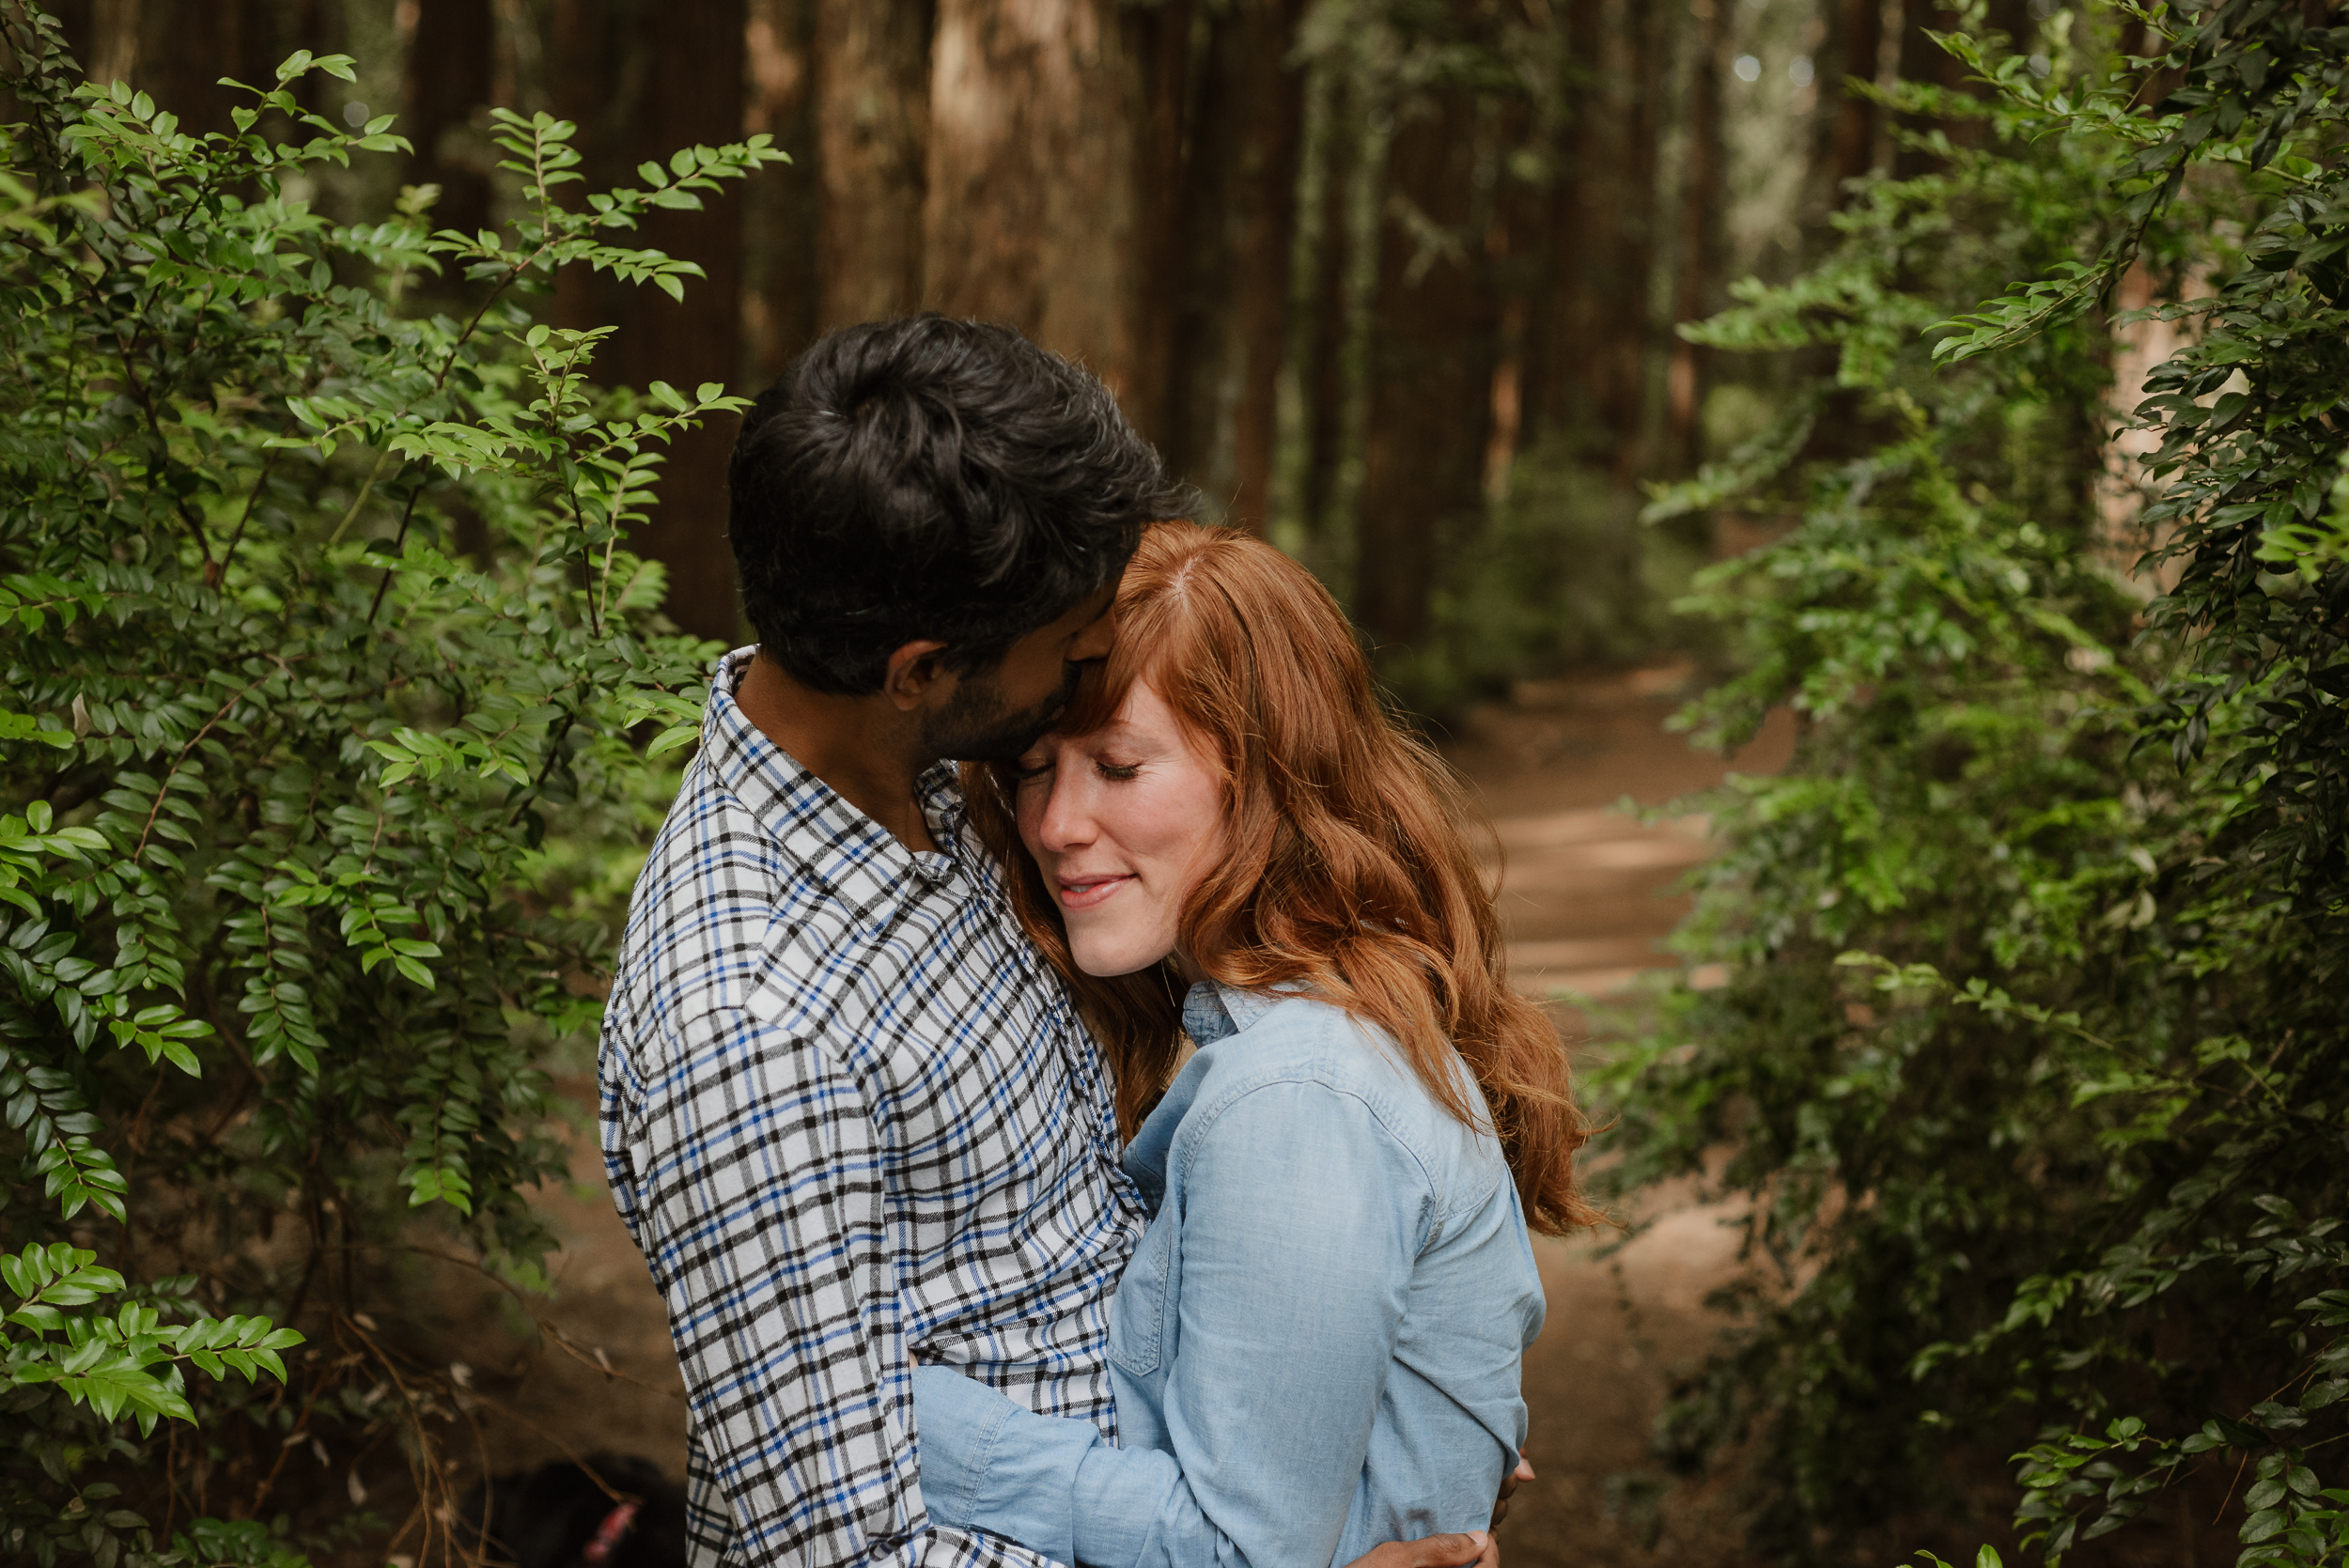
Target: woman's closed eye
(1030, 767)
(1116, 773)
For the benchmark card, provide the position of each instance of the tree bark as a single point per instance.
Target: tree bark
(177, 54)
(1922, 60)
(1585, 375)
(872, 114)
(1855, 44)
(1328, 324)
(1030, 210)
(1431, 365)
(782, 208)
(447, 78)
(641, 79)
(1265, 250)
(1696, 283)
(1239, 194)
(1162, 266)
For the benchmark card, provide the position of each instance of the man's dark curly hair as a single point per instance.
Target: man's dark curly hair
(927, 478)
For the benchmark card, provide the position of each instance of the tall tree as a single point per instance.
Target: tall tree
(1433, 348)
(1325, 294)
(1264, 250)
(450, 61)
(185, 51)
(781, 212)
(872, 123)
(1030, 208)
(1585, 375)
(1922, 60)
(1853, 46)
(1231, 305)
(641, 79)
(1697, 262)
(1162, 264)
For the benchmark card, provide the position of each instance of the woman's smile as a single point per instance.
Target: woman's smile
(1091, 892)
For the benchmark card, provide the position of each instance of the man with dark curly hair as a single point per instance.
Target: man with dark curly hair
(848, 1112)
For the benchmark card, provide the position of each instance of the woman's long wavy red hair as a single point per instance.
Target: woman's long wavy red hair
(1349, 871)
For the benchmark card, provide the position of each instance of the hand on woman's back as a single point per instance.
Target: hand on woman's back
(1478, 1548)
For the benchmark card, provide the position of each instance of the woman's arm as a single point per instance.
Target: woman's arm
(1301, 1217)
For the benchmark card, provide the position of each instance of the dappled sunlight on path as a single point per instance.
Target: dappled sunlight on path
(1586, 900)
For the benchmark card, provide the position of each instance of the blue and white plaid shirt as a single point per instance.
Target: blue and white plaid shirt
(853, 1120)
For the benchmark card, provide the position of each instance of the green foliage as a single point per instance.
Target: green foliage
(280, 930)
(1556, 575)
(2033, 1063)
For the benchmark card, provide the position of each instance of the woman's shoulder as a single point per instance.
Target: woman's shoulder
(1316, 1067)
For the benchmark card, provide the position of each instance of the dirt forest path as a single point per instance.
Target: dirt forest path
(1586, 903)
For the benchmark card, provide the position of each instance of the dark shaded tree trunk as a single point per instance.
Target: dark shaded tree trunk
(1585, 373)
(449, 63)
(1855, 42)
(1551, 388)
(1264, 250)
(1031, 212)
(1164, 43)
(1327, 325)
(1239, 200)
(185, 50)
(781, 208)
(872, 119)
(1431, 363)
(1921, 60)
(641, 79)
(1697, 276)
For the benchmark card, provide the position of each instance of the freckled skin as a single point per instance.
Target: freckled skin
(1125, 822)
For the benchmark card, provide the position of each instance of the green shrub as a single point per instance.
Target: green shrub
(2035, 1056)
(1556, 575)
(278, 913)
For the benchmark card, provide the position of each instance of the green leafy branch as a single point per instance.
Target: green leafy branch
(108, 1363)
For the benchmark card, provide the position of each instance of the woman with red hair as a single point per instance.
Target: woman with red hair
(1315, 1348)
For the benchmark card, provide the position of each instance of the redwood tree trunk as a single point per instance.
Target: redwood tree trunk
(1431, 363)
(1212, 317)
(1855, 42)
(1031, 209)
(872, 114)
(1161, 267)
(1922, 60)
(1262, 250)
(448, 77)
(781, 208)
(1586, 366)
(643, 80)
(1696, 280)
(1327, 325)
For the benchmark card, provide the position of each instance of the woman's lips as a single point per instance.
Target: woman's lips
(1089, 893)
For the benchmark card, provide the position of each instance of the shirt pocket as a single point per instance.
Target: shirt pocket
(1138, 1313)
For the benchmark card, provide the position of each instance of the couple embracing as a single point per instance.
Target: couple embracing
(961, 1267)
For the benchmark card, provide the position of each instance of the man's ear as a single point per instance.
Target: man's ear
(917, 676)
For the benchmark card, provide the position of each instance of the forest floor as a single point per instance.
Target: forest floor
(1586, 896)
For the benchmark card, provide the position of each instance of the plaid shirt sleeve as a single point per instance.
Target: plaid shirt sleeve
(755, 1185)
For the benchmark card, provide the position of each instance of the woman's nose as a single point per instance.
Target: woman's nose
(1066, 824)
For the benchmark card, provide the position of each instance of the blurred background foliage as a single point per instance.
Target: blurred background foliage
(1558, 334)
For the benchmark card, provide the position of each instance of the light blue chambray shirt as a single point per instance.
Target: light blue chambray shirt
(1315, 1350)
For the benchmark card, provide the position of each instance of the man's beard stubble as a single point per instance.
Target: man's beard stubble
(976, 728)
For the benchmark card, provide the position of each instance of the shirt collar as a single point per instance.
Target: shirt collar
(1213, 1011)
(831, 838)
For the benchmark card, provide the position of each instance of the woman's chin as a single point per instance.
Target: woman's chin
(1108, 960)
